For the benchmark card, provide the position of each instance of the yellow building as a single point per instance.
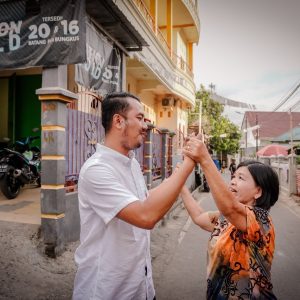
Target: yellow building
(162, 73)
(55, 71)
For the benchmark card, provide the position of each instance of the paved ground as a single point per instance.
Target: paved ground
(184, 277)
(25, 273)
(178, 250)
(25, 208)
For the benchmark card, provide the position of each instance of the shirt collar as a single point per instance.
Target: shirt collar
(115, 154)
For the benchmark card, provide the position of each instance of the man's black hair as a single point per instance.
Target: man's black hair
(267, 179)
(115, 103)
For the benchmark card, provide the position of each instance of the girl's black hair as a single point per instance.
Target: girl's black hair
(267, 179)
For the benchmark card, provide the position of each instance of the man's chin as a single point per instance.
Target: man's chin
(138, 145)
(141, 141)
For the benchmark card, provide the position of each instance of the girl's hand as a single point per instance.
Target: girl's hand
(196, 149)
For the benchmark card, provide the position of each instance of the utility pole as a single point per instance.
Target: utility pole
(291, 133)
(212, 87)
(246, 135)
(256, 139)
(200, 116)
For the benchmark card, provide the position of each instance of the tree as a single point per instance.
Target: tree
(230, 142)
(214, 124)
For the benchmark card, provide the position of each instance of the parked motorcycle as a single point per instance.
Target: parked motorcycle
(19, 166)
(200, 180)
(206, 187)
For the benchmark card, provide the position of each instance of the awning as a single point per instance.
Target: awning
(108, 15)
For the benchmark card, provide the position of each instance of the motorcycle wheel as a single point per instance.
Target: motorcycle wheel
(10, 186)
(38, 182)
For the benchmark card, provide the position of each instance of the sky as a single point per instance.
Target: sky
(250, 50)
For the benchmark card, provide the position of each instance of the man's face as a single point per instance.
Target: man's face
(135, 129)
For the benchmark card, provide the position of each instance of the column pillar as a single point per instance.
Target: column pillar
(123, 86)
(170, 24)
(148, 155)
(164, 154)
(190, 54)
(153, 12)
(171, 135)
(54, 98)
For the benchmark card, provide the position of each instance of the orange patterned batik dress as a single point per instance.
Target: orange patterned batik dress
(239, 263)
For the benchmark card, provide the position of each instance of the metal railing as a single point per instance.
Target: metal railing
(145, 12)
(157, 155)
(140, 157)
(169, 156)
(177, 61)
(84, 130)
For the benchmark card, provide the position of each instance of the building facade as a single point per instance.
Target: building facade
(146, 49)
(162, 73)
(260, 128)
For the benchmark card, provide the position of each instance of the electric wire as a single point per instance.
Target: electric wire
(294, 106)
(284, 101)
(296, 103)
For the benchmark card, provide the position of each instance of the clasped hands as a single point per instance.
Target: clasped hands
(195, 148)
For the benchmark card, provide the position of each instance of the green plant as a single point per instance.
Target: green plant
(224, 136)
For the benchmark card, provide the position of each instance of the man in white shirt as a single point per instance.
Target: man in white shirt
(116, 210)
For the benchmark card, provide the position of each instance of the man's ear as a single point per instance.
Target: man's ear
(118, 121)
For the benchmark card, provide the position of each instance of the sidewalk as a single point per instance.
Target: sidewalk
(184, 277)
(26, 208)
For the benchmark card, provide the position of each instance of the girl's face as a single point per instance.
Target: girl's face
(243, 186)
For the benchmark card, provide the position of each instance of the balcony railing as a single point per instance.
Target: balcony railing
(163, 42)
(145, 12)
(192, 7)
(178, 61)
(181, 64)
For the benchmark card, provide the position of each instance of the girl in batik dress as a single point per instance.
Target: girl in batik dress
(242, 241)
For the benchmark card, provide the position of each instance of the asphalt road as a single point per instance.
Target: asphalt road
(178, 249)
(184, 278)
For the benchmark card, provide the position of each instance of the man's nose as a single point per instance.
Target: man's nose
(145, 126)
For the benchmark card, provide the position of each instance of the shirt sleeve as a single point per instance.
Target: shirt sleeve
(104, 192)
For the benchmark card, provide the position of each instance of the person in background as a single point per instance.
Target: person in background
(117, 211)
(217, 163)
(224, 166)
(242, 241)
(232, 167)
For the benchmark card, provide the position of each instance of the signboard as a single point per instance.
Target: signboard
(41, 33)
(102, 71)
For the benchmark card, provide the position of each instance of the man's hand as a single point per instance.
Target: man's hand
(196, 149)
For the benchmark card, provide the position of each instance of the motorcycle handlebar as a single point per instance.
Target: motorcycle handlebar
(32, 138)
